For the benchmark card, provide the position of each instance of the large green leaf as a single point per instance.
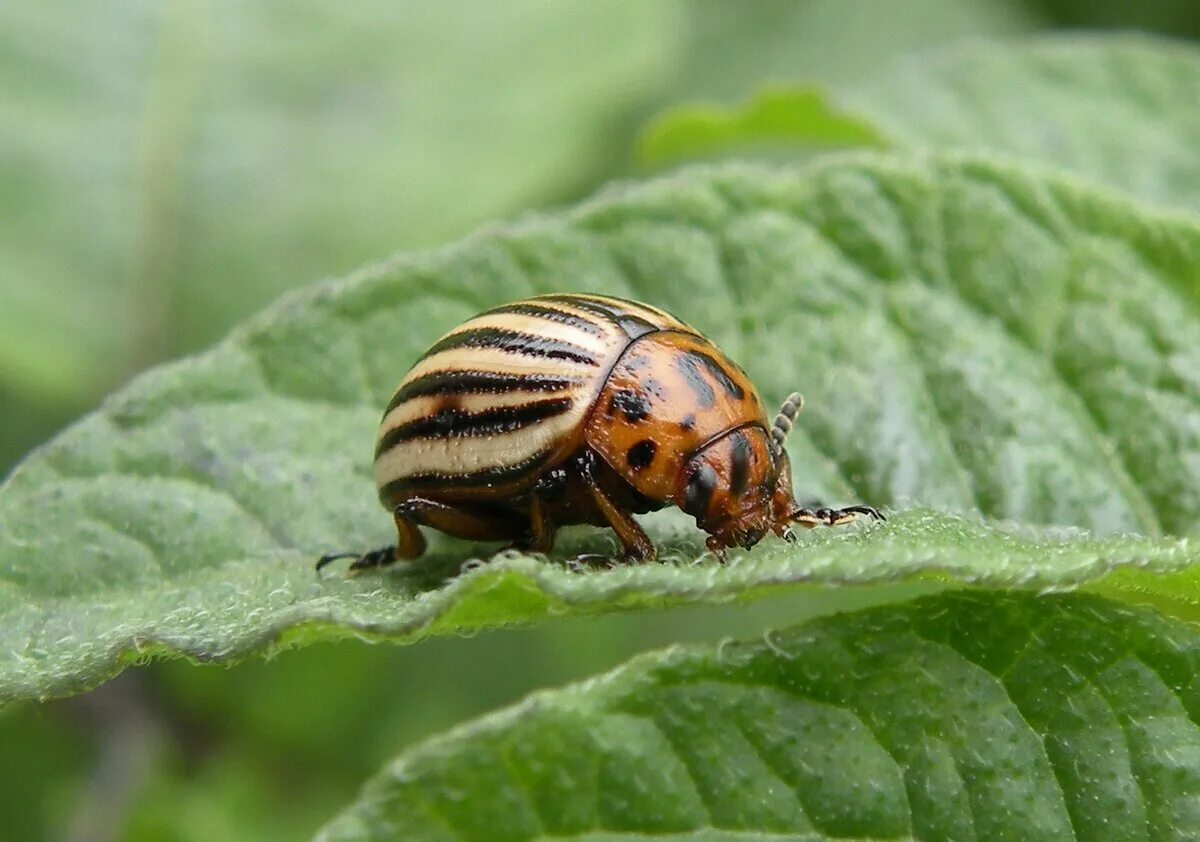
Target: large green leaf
(1031, 352)
(1117, 109)
(954, 717)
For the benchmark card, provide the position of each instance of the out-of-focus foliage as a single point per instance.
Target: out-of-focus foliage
(175, 165)
(774, 121)
(1078, 104)
(165, 168)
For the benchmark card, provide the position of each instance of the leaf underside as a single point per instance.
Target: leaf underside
(959, 716)
(1033, 355)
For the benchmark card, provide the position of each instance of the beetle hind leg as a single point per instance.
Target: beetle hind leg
(374, 558)
(471, 522)
(462, 520)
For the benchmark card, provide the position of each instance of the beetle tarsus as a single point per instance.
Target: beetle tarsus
(329, 558)
(362, 561)
(717, 548)
(375, 558)
(584, 562)
(811, 518)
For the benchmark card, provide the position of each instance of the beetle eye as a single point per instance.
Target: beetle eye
(699, 491)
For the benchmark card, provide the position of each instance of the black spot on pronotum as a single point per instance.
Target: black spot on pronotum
(641, 454)
(720, 375)
(629, 403)
(699, 491)
(740, 471)
(689, 367)
(688, 423)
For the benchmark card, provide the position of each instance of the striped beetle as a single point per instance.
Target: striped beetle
(570, 408)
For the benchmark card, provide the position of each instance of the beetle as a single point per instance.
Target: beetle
(582, 409)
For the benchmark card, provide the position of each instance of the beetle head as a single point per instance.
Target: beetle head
(729, 486)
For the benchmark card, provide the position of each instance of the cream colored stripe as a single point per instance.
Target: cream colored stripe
(428, 404)
(470, 455)
(503, 362)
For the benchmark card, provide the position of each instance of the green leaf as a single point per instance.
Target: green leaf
(1032, 354)
(799, 118)
(1116, 109)
(963, 716)
(734, 46)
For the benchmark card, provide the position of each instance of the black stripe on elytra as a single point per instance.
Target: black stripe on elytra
(740, 471)
(553, 314)
(468, 382)
(689, 367)
(454, 423)
(720, 375)
(634, 326)
(489, 477)
(514, 342)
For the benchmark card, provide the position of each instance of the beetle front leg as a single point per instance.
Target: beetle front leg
(811, 518)
(636, 543)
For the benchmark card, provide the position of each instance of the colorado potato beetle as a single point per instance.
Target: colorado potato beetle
(582, 409)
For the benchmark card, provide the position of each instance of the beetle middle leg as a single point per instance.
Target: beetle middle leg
(541, 528)
(636, 543)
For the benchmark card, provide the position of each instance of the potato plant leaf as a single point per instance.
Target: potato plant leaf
(971, 338)
(958, 716)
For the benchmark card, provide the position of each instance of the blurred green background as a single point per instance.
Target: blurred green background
(166, 168)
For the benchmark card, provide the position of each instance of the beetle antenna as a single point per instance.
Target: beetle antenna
(783, 421)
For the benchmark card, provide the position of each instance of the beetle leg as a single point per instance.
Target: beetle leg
(717, 549)
(460, 520)
(410, 543)
(374, 558)
(811, 518)
(590, 561)
(541, 529)
(637, 544)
